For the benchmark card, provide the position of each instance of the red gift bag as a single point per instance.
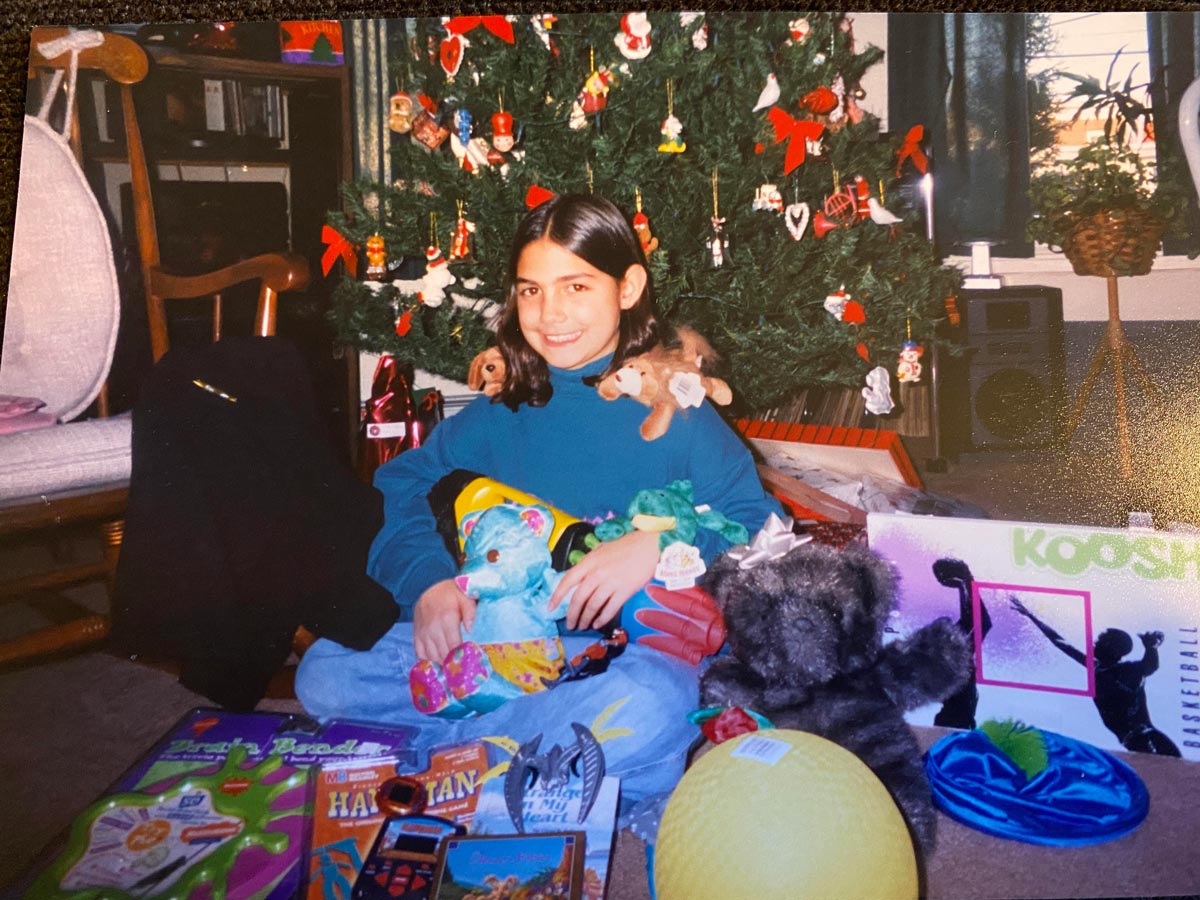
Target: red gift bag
(395, 418)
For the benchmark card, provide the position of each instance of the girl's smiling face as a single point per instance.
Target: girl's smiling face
(570, 311)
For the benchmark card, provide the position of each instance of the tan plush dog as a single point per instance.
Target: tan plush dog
(487, 372)
(666, 379)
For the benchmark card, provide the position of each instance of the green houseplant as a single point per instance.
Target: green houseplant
(1106, 209)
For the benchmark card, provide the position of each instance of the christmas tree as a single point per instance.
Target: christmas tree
(733, 140)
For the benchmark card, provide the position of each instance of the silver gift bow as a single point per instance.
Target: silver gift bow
(773, 540)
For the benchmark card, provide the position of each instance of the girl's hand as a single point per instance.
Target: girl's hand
(437, 617)
(606, 578)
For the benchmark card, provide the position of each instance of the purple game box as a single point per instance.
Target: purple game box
(218, 806)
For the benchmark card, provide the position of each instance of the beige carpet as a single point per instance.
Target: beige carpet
(71, 728)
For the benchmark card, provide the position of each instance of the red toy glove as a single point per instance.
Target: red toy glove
(685, 624)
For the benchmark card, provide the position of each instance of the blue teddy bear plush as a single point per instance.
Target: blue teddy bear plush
(514, 640)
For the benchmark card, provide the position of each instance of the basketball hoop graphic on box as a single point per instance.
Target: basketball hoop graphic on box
(997, 664)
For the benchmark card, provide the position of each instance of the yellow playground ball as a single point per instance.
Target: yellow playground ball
(782, 815)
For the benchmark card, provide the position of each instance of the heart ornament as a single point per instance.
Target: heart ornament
(450, 54)
(795, 217)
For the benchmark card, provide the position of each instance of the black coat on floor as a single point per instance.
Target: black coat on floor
(242, 523)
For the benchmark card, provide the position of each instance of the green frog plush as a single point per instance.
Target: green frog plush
(672, 512)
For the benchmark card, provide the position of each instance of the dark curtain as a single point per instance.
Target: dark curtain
(1174, 64)
(962, 76)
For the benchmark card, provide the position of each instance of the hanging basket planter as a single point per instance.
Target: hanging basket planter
(1114, 242)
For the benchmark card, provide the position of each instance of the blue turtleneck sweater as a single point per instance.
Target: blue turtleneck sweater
(579, 452)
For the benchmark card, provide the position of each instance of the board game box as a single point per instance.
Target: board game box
(346, 817)
(218, 807)
(1093, 633)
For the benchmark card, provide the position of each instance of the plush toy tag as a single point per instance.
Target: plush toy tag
(686, 388)
(679, 565)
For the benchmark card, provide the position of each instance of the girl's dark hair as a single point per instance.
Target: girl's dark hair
(596, 231)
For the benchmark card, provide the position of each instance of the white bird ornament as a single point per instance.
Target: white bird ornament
(881, 215)
(769, 95)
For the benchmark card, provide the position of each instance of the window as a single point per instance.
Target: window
(1084, 44)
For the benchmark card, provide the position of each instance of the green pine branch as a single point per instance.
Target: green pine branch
(763, 311)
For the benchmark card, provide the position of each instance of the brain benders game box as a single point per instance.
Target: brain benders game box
(1090, 632)
(218, 807)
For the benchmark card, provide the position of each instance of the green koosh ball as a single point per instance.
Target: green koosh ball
(782, 815)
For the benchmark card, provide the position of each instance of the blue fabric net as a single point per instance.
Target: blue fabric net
(1083, 796)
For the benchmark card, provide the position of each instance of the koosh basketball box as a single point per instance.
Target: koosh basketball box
(1090, 632)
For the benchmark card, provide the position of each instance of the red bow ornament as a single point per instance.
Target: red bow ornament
(338, 246)
(797, 132)
(911, 149)
(500, 26)
(537, 195)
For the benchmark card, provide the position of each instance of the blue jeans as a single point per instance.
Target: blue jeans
(646, 695)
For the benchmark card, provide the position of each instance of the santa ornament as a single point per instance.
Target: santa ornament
(840, 305)
(798, 31)
(700, 35)
(400, 113)
(634, 39)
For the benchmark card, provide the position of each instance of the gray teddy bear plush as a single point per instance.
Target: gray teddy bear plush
(805, 631)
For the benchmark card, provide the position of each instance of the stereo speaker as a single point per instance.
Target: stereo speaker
(1007, 388)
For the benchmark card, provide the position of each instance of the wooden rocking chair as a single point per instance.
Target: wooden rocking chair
(60, 330)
